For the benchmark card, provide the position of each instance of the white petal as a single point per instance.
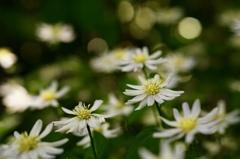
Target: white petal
(150, 100)
(134, 86)
(93, 122)
(142, 80)
(186, 110)
(58, 143)
(167, 133)
(47, 130)
(36, 128)
(176, 114)
(207, 118)
(67, 111)
(142, 104)
(171, 123)
(96, 104)
(196, 108)
(62, 92)
(189, 137)
(145, 154)
(167, 81)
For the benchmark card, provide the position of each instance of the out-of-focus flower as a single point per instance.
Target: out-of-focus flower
(150, 91)
(83, 118)
(166, 151)
(109, 62)
(104, 130)
(189, 123)
(49, 96)
(169, 15)
(140, 58)
(235, 26)
(116, 106)
(15, 97)
(31, 146)
(7, 58)
(227, 17)
(226, 119)
(55, 33)
(178, 62)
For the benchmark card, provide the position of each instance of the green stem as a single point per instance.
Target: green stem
(155, 116)
(145, 72)
(91, 138)
(158, 108)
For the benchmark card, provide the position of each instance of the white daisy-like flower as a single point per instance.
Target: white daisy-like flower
(117, 106)
(166, 151)
(104, 130)
(15, 97)
(31, 146)
(150, 91)
(189, 123)
(7, 58)
(140, 58)
(49, 96)
(83, 118)
(236, 27)
(226, 119)
(55, 33)
(178, 62)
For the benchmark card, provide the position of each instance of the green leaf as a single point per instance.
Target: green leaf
(143, 139)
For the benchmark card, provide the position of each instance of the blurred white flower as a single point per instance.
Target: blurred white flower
(49, 96)
(140, 58)
(31, 146)
(226, 119)
(116, 106)
(7, 58)
(177, 62)
(166, 151)
(110, 61)
(150, 91)
(189, 123)
(55, 33)
(227, 17)
(104, 130)
(15, 97)
(235, 26)
(83, 118)
(169, 15)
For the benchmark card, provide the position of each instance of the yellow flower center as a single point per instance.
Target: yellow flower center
(119, 54)
(83, 114)
(152, 88)
(119, 105)
(140, 58)
(48, 95)
(27, 143)
(188, 124)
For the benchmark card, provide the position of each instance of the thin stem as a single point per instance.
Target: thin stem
(158, 108)
(155, 116)
(91, 138)
(145, 72)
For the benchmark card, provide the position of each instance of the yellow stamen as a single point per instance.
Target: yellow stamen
(48, 95)
(188, 124)
(152, 87)
(140, 58)
(27, 143)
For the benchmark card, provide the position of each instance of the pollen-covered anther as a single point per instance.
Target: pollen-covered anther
(152, 88)
(84, 114)
(27, 143)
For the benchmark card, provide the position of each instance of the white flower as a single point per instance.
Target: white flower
(104, 130)
(7, 58)
(55, 33)
(49, 96)
(140, 58)
(15, 97)
(189, 123)
(105, 63)
(236, 27)
(116, 106)
(179, 62)
(31, 146)
(83, 117)
(226, 119)
(152, 90)
(169, 15)
(166, 152)
(110, 61)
